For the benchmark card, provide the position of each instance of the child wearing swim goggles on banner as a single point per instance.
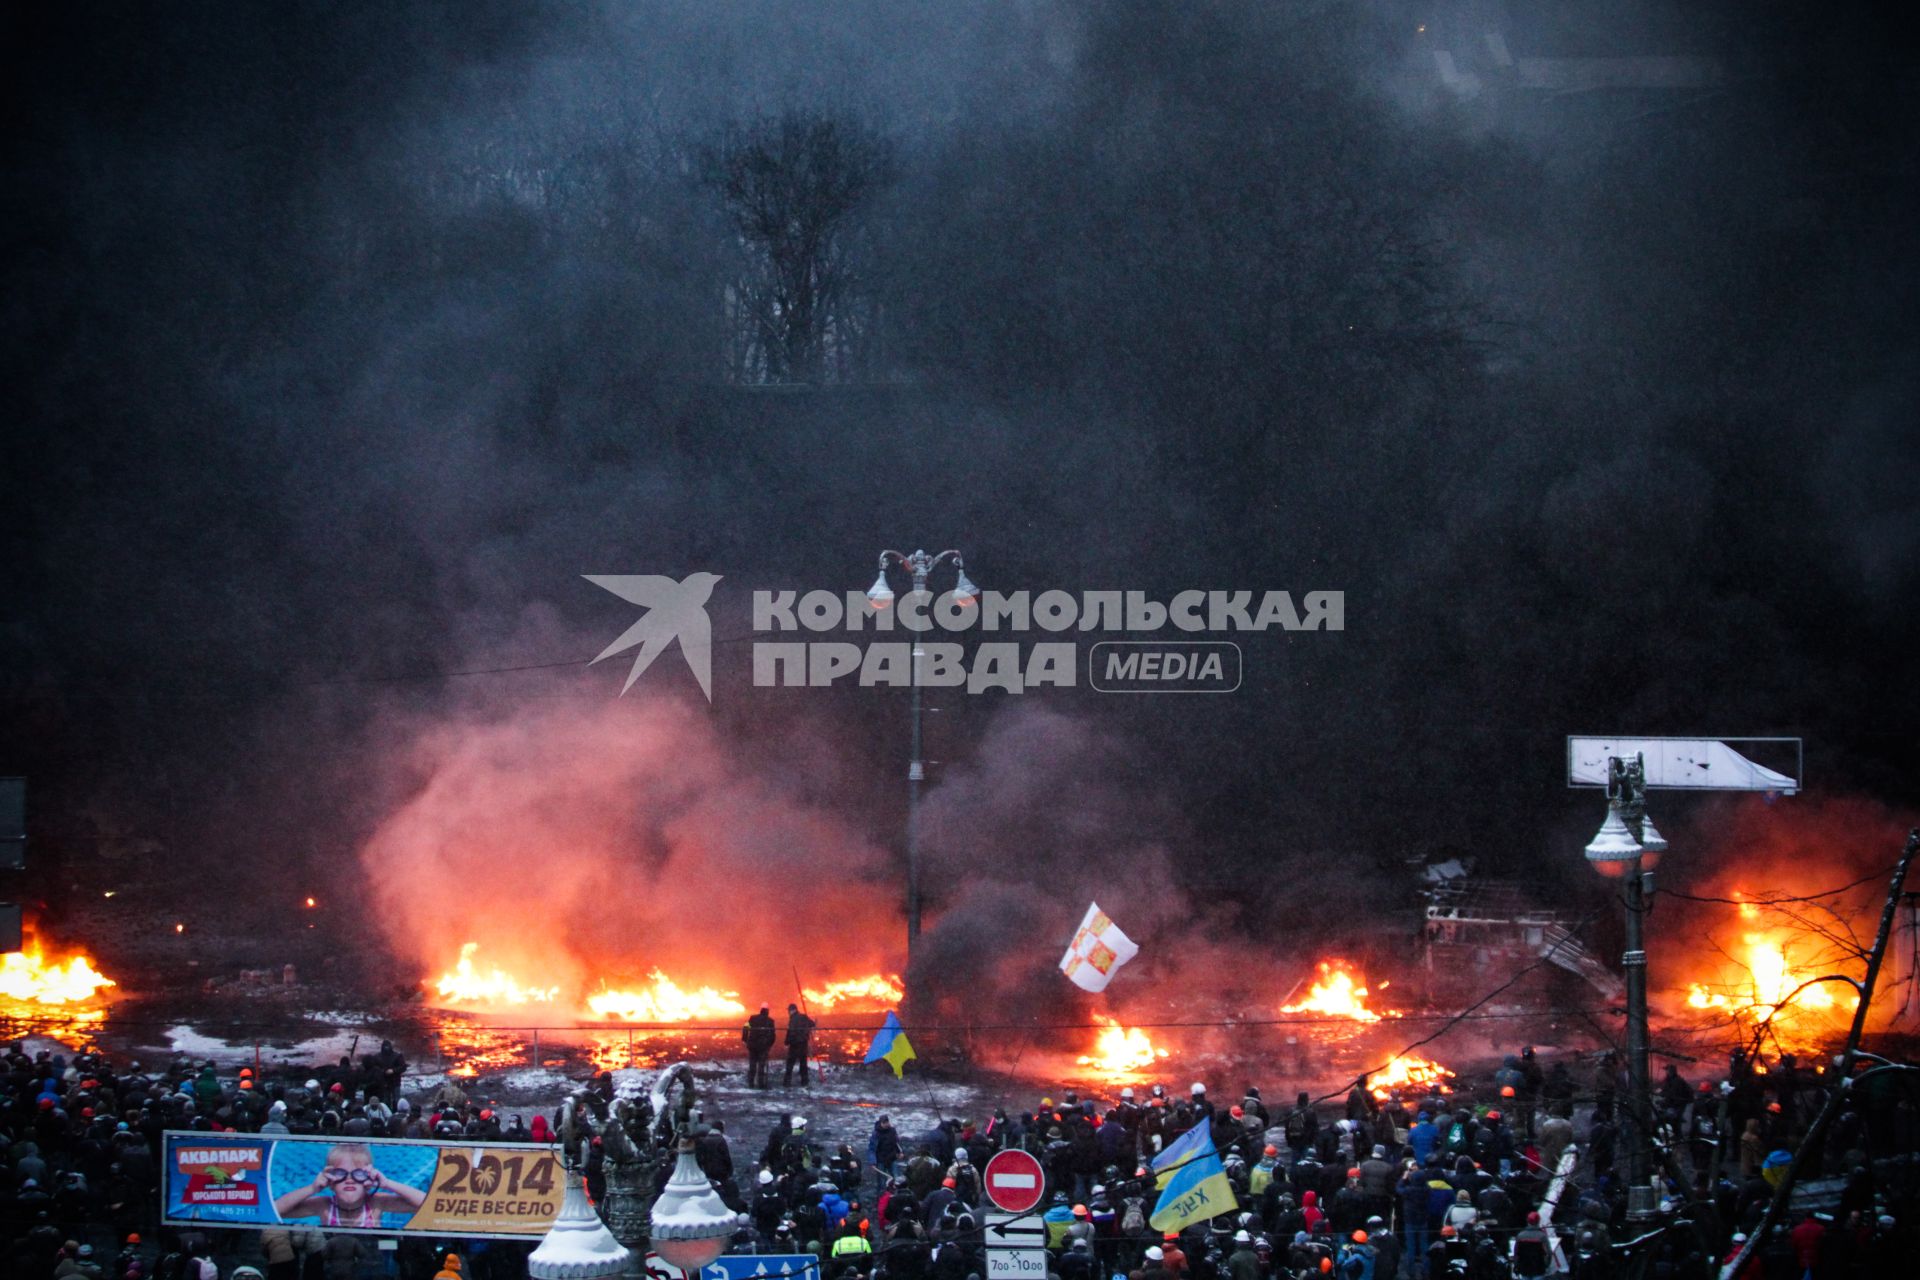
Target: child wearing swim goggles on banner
(349, 1192)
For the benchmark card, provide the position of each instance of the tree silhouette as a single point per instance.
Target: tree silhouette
(798, 190)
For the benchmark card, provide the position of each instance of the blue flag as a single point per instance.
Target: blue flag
(1193, 1183)
(1182, 1149)
(890, 1045)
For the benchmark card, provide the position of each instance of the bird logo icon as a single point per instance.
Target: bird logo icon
(674, 611)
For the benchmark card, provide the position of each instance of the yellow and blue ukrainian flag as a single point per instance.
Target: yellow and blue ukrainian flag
(1193, 1182)
(890, 1045)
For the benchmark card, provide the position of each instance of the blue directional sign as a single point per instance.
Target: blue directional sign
(761, 1266)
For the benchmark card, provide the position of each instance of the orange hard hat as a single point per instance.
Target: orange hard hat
(1506, 1091)
(1448, 1231)
(1359, 1237)
(1326, 1266)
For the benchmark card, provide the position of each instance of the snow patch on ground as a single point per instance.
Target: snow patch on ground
(190, 1043)
(543, 1080)
(184, 1040)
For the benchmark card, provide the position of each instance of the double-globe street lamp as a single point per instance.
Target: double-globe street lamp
(1628, 847)
(687, 1224)
(690, 1224)
(920, 566)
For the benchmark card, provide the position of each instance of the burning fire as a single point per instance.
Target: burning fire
(1764, 982)
(1409, 1070)
(466, 985)
(29, 978)
(487, 987)
(874, 991)
(665, 1001)
(1121, 1050)
(1337, 993)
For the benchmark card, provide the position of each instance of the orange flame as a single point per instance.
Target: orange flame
(1765, 981)
(28, 977)
(1121, 1050)
(466, 985)
(665, 1001)
(1336, 993)
(486, 987)
(1410, 1070)
(874, 991)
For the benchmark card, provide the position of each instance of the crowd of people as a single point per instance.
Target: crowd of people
(1508, 1180)
(80, 1166)
(1518, 1176)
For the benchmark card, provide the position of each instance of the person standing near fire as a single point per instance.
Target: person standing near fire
(799, 1033)
(759, 1036)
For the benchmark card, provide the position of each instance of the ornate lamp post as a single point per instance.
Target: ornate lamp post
(1628, 846)
(880, 595)
(691, 1224)
(685, 1222)
(578, 1246)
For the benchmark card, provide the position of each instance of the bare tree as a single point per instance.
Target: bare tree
(798, 190)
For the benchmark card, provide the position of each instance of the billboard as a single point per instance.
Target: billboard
(1690, 764)
(383, 1186)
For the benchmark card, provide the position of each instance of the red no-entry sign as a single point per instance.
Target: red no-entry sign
(1014, 1181)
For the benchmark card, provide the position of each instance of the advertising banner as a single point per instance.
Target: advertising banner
(385, 1186)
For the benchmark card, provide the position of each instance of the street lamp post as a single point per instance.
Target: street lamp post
(1628, 845)
(920, 565)
(685, 1221)
(689, 1225)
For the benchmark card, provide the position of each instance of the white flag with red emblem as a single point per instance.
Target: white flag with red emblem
(1098, 948)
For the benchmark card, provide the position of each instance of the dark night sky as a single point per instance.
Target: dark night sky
(341, 338)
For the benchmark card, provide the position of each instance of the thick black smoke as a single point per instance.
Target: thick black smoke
(339, 340)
